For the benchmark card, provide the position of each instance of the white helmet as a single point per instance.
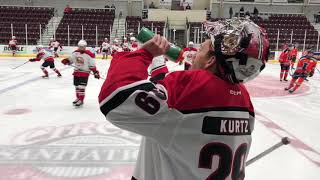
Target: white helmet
(115, 40)
(106, 39)
(241, 48)
(82, 43)
(13, 37)
(51, 39)
(39, 47)
(132, 39)
(190, 43)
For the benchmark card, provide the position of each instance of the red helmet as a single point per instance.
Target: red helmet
(240, 46)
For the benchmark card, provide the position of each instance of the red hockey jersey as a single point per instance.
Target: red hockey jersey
(186, 119)
(305, 65)
(284, 57)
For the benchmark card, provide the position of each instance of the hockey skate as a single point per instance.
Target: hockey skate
(285, 79)
(75, 101)
(291, 91)
(59, 75)
(45, 76)
(79, 103)
(286, 89)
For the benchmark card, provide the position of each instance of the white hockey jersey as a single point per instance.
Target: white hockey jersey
(55, 44)
(83, 61)
(13, 42)
(105, 46)
(188, 54)
(45, 55)
(116, 48)
(195, 125)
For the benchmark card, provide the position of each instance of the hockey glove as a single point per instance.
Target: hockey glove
(96, 75)
(32, 60)
(65, 61)
(311, 73)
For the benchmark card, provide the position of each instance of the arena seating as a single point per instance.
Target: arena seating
(18, 17)
(133, 24)
(286, 23)
(197, 25)
(89, 18)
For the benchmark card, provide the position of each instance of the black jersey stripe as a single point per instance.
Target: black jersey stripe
(202, 110)
(122, 95)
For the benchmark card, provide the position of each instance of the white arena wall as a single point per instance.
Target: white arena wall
(30, 51)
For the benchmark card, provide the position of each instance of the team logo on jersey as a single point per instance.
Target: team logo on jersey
(92, 151)
(80, 61)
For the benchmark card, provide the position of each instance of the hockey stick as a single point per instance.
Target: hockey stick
(20, 65)
(291, 71)
(317, 69)
(284, 141)
(89, 72)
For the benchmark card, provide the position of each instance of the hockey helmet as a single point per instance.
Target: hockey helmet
(39, 47)
(82, 43)
(132, 39)
(240, 47)
(115, 41)
(190, 44)
(309, 52)
(13, 37)
(51, 39)
(106, 39)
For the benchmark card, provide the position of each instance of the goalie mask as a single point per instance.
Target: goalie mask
(241, 48)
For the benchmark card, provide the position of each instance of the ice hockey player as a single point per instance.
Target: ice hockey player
(51, 40)
(188, 54)
(13, 45)
(116, 47)
(54, 45)
(83, 62)
(48, 61)
(293, 54)
(125, 45)
(133, 44)
(284, 64)
(105, 48)
(190, 117)
(305, 68)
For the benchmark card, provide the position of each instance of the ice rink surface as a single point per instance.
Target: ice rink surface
(43, 137)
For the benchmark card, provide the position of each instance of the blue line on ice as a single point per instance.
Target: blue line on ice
(26, 82)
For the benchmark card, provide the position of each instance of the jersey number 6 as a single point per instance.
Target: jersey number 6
(148, 104)
(226, 158)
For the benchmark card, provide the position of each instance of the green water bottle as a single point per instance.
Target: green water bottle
(174, 53)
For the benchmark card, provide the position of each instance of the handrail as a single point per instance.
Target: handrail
(271, 13)
(259, 3)
(92, 8)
